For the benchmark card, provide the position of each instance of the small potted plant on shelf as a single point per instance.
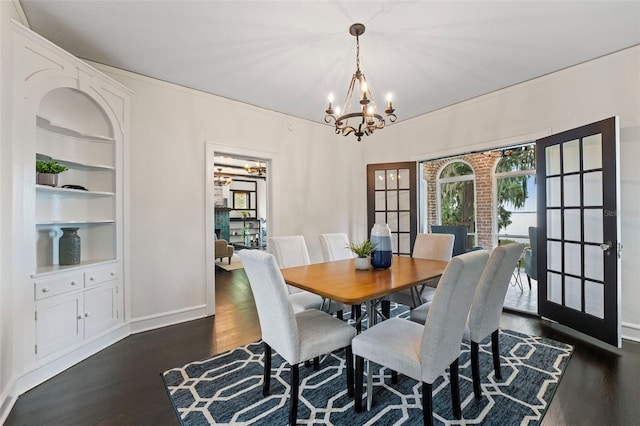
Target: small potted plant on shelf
(47, 172)
(363, 251)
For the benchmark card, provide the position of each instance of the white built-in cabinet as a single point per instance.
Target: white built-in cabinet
(69, 112)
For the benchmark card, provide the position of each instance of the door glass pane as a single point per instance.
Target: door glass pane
(553, 159)
(404, 202)
(554, 256)
(593, 226)
(380, 217)
(392, 218)
(405, 243)
(554, 225)
(553, 192)
(571, 156)
(380, 175)
(380, 201)
(594, 262)
(573, 293)
(554, 288)
(594, 298)
(403, 179)
(572, 225)
(592, 189)
(592, 152)
(404, 224)
(572, 259)
(392, 179)
(572, 191)
(392, 200)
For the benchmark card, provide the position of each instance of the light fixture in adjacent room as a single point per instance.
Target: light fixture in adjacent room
(259, 169)
(506, 152)
(366, 119)
(220, 180)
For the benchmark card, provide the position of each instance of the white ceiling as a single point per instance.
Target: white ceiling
(288, 55)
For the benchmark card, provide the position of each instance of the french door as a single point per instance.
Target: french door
(392, 199)
(579, 229)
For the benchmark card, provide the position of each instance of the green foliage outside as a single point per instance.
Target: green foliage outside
(457, 198)
(49, 167)
(512, 191)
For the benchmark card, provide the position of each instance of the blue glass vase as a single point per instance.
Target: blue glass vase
(381, 237)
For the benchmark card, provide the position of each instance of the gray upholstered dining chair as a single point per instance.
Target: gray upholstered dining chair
(335, 246)
(291, 251)
(297, 337)
(423, 352)
(486, 308)
(426, 246)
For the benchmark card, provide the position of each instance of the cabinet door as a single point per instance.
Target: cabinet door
(59, 323)
(99, 309)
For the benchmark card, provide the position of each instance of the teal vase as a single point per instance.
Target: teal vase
(69, 247)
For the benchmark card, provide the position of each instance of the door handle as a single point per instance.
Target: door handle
(606, 247)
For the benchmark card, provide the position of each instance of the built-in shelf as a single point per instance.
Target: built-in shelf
(53, 269)
(74, 164)
(55, 189)
(46, 124)
(75, 222)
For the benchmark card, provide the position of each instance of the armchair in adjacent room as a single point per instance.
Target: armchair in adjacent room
(531, 256)
(223, 249)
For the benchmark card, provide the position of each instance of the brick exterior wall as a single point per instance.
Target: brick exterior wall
(483, 167)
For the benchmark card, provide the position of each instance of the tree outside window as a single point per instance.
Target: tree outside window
(457, 197)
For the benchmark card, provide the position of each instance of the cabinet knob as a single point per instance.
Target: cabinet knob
(80, 317)
(73, 283)
(45, 289)
(112, 273)
(92, 278)
(86, 314)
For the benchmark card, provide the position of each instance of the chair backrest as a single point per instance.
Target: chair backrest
(460, 232)
(289, 251)
(277, 319)
(434, 246)
(335, 246)
(486, 308)
(446, 319)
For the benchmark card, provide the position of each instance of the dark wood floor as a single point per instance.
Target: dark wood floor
(121, 385)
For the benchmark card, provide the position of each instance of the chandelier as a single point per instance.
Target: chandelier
(258, 169)
(366, 120)
(220, 180)
(507, 152)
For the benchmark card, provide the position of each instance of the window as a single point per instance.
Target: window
(515, 183)
(457, 198)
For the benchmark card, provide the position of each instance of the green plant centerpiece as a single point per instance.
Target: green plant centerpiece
(47, 172)
(363, 251)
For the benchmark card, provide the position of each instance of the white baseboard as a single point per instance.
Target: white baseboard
(151, 322)
(8, 399)
(630, 331)
(44, 370)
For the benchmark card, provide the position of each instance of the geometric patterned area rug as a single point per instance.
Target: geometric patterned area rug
(226, 389)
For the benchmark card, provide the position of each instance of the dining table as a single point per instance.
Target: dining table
(341, 281)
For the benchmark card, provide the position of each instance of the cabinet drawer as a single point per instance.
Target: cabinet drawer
(52, 286)
(100, 275)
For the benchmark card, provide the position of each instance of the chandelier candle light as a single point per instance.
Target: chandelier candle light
(367, 119)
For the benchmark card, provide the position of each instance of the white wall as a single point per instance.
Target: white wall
(320, 187)
(570, 98)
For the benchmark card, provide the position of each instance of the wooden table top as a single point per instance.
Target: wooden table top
(342, 282)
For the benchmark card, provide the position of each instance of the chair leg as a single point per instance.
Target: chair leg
(529, 279)
(475, 370)
(357, 403)
(386, 309)
(316, 363)
(394, 376)
(267, 370)
(293, 403)
(349, 361)
(427, 404)
(455, 389)
(495, 349)
(357, 313)
(229, 260)
(339, 314)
